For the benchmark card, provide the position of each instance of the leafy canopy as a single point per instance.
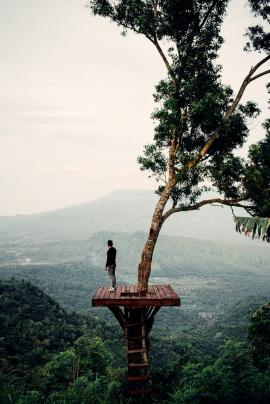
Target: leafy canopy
(192, 103)
(257, 179)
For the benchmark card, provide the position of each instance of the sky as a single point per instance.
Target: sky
(76, 100)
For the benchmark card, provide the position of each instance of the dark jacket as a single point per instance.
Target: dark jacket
(111, 255)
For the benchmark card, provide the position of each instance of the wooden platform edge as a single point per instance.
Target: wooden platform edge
(136, 302)
(115, 299)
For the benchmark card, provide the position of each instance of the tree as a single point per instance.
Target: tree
(259, 336)
(199, 121)
(231, 378)
(257, 181)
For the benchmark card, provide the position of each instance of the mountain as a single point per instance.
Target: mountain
(207, 275)
(119, 211)
(32, 324)
(44, 350)
(50, 356)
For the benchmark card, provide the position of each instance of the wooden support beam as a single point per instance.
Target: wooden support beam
(136, 320)
(119, 315)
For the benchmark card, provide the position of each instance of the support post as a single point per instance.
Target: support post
(137, 323)
(135, 311)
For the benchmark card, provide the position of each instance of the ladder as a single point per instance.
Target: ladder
(136, 338)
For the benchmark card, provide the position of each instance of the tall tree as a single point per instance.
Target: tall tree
(259, 336)
(257, 187)
(199, 122)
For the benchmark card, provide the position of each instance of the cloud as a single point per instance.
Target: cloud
(34, 112)
(52, 168)
(25, 104)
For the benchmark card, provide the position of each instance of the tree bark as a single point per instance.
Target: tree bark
(144, 269)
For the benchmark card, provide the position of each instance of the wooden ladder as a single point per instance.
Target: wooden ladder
(136, 338)
(137, 322)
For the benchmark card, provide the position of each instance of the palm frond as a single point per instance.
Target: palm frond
(255, 227)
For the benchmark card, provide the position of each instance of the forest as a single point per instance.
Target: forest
(51, 356)
(55, 348)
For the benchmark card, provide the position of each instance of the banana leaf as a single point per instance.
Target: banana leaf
(255, 227)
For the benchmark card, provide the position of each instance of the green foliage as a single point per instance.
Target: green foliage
(259, 336)
(213, 277)
(175, 20)
(257, 175)
(50, 356)
(188, 367)
(60, 371)
(230, 379)
(258, 38)
(100, 391)
(33, 326)
(255, 227)
(226, 175)
(260, 8)
(192, 104)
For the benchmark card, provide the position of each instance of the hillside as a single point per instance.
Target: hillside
(50, 357)
(121, 211)
(41, 345)
(210, 277)
(32, 325)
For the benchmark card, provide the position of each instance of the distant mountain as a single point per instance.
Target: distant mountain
(207, 275)
(120, 211)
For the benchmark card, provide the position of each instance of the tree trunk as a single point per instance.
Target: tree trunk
(144, 269)
(146, 260)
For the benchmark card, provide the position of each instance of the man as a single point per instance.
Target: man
(111, 264)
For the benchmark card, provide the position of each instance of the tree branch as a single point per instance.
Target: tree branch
(261, 62)
(200, 26)
(259, 75)
(172, 154)
(155, 41)
(154, 7)
(162, 54)
(207, 14)
(197, 206)
(230, 111)
(245, 83)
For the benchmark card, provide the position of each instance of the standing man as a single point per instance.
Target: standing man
(111, 264)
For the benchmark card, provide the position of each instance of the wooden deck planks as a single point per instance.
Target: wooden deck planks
(163, 293)
(167, 290)
(157, 292)
(157, 295)
(108, 294)
(151, 292)
(118, 293)
(102, 292)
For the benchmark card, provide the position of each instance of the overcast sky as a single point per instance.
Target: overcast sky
(76, 99)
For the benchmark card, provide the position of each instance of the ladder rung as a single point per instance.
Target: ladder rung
(138, 378)
(141, 350)
(131, 338)
(138, 365)
(140, 392)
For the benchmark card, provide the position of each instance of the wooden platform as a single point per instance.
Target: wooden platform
(127, 295)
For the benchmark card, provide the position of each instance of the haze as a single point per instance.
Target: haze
(76, 99)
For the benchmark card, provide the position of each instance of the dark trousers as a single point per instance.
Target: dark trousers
(111, 273)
